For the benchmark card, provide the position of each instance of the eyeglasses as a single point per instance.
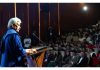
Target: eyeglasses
(18, 24)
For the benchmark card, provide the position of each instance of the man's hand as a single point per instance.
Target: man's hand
(31, 51)
(34, 51)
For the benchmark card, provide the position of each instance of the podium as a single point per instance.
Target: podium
(36, 60)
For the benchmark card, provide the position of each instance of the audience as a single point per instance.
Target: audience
(78, 49)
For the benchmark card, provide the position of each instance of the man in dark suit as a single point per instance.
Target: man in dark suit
(83, 61)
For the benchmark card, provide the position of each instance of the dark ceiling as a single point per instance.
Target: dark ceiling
(72, 15)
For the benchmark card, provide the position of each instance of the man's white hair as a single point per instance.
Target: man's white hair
(14, 20)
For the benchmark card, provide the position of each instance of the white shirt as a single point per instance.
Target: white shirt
(80, 60)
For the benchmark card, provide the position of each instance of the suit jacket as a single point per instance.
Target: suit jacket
(12, 51)
(83, 62)
(74, 60)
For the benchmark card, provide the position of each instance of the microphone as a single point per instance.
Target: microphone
(38, 38)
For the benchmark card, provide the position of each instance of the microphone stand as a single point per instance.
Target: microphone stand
(39, 39)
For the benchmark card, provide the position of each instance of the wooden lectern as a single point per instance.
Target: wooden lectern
(36, 60)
